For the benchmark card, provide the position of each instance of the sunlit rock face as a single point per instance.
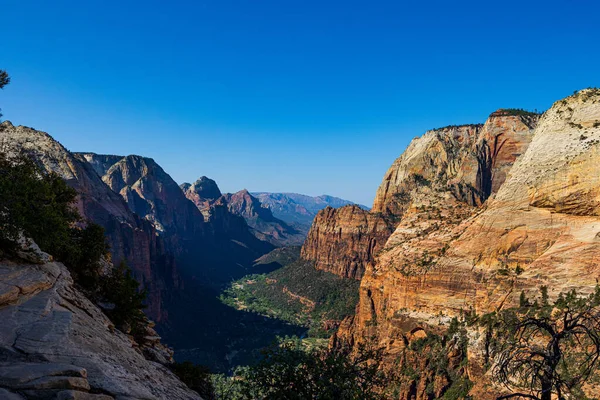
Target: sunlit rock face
(203, 193)
(454, 250)
(342, 240)
(456, 164)
(261, 220)
(56, 344)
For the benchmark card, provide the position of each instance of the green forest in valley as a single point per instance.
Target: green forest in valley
(297, 293)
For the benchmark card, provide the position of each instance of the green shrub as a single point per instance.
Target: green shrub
(287, 372)
(458, 390)
(122, 290)
(196, 377)
(39, 205)
(36, 204)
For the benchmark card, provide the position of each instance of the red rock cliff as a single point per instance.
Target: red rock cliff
(468, 163)
(449, 254)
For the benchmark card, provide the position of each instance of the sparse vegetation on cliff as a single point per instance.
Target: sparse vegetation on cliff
(518, 112)
(40, 206)
(458, 126)
(435, 362)
(196, 377)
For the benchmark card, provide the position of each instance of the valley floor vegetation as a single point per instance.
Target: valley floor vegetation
(297, 293)
(539, 350)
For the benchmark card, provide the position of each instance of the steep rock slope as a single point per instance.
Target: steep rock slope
(54, 343)
(212, 246)
(100, 162)
(447, 255)
(207, 197)
(457, 164)
(264, 225)
(152, 194)
(342, 240)
(130, 237)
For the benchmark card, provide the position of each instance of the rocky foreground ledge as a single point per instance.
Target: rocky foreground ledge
(56, 344)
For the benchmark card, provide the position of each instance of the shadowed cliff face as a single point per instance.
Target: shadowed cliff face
(152, 194)
(449, 254)
(148, 220)
(130, 237)
(201, 234)
(458, 164)
(261, 220)
(207, 197)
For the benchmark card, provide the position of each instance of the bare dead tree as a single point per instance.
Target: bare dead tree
(545, 349)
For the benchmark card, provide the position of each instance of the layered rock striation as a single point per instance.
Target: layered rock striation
(538, 225)
(456, 164)
(343, 240)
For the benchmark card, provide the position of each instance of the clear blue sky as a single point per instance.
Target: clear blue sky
(284, 95)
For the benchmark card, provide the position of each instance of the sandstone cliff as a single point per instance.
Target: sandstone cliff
(449, 254)
(56, 344)
(203, 193)
(152, 194)
(342, 240)
(199, 234)
(207, 197)
(456, 164)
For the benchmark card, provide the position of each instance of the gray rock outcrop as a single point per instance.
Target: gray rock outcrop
(56, 344)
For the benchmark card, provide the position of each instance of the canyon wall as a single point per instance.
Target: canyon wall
(463, 164)
(342, 240)
(452, 250)
(130, 237)
(261, 220)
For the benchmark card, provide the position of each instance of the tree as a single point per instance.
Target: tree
(123, 292)
(40, 205)
(547, 349)
(36, 204)
(4, 80)
(288, 372)
(196, 377)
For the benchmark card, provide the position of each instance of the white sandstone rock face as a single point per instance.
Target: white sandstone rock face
(56, 344)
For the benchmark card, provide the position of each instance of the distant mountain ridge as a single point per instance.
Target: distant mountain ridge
(205, 194)
(300, 209)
